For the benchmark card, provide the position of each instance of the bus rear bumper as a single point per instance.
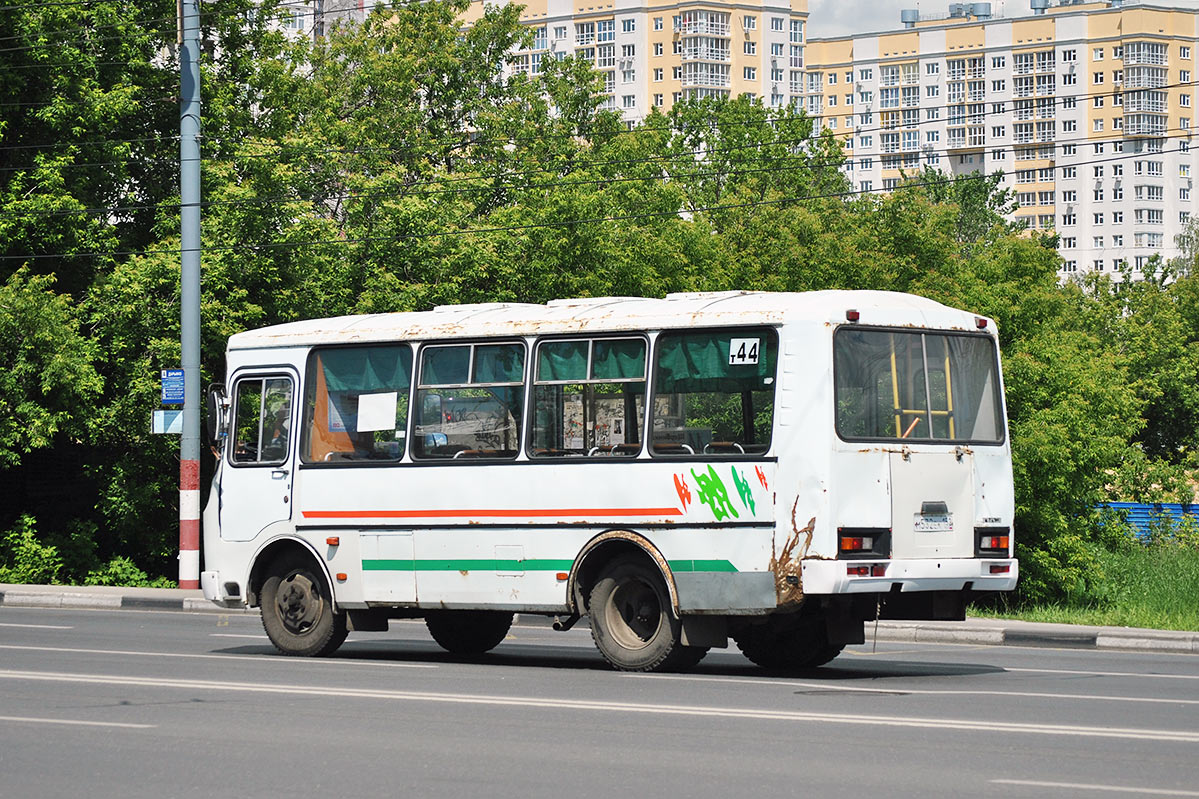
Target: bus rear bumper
(949, 574)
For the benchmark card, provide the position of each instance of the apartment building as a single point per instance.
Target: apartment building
(652, 55)
(1087, 109)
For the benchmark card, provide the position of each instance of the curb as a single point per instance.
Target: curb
(89, 600)
(984, 632)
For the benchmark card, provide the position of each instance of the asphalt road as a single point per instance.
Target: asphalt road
(137, 704)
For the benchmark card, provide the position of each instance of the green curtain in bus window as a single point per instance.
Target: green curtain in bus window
(499, 363)
(562, 360)
(619, 359)
(367, 369)
(701, 362)
(445, 366)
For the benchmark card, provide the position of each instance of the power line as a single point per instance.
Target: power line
(911, 184)
(813, 164)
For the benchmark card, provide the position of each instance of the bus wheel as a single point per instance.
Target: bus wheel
(297, 610)
(632, 622)
(789, 646)
(468, 632)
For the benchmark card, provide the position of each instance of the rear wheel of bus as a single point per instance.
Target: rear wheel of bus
(797, 641)
(632, 622)
(297, 609)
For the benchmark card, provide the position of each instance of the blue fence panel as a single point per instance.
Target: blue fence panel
(1140, 515)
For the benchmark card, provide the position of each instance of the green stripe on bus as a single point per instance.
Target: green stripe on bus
(484, 564)
(702, 566)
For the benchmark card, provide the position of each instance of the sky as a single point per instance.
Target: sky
(843, 17)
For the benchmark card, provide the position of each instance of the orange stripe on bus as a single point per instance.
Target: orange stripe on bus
(499, 512)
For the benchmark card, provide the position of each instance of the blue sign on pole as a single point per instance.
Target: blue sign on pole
(172, 386)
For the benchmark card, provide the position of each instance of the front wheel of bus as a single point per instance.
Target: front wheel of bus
(297, 610)
(632, 622)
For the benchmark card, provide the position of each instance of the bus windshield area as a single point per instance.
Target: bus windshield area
(916, 386)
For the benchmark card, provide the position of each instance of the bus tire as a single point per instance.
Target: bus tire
(297, 610)
(786, 648)
(468, 632)
(632, 622)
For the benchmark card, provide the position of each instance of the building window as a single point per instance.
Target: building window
(750, 73)
(628, 25)
(1184, 52)
(658, 74)
(657, 101)
(1097, 54)
(932, 68)
(750, 48)
(629, 100)
(865, 74)
(776, 23)
(749, 23)
(658, 26)
(1097, 78)
(657, 48)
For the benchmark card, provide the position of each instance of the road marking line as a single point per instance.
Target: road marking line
(243, 658)
(239, 635)
(28, 720)
(823, 686)
(1087, 787)
(1105, 673)
(979, 725)
(39, 626)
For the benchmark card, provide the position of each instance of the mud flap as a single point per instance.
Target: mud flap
(707, 631)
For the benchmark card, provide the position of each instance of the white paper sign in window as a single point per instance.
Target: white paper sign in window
(377, 411)
(743, 351)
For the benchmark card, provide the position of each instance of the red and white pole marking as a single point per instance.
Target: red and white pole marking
(189, 524)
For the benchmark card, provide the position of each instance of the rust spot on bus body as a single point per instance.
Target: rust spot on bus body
(787, 564)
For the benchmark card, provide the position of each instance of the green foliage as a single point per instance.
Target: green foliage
(24, 559)
(123, 571)
(46, 371)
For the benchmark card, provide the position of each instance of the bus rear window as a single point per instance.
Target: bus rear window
(906, 385)
(714, 392)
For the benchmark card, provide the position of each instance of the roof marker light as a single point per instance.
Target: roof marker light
(980, 323)
(852, 315)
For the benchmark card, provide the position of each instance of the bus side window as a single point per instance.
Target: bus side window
(470, 401)
(356, 404)
(589, 398)
(262, 420)
(714, 392)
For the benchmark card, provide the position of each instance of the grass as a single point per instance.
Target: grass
(1152, 587)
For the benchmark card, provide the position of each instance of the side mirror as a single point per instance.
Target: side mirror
(217, 419)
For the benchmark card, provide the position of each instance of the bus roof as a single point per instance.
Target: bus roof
(594, 314)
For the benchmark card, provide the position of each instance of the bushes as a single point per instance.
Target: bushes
(24, 559)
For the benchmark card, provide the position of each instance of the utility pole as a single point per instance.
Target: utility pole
(189, 312)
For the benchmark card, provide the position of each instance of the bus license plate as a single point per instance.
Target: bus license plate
(934, 523)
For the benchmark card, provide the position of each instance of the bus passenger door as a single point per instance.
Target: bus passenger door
(259, 455)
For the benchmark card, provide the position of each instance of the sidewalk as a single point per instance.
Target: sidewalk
(993, 632)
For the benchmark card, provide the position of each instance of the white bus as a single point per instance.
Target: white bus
(771, 468)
